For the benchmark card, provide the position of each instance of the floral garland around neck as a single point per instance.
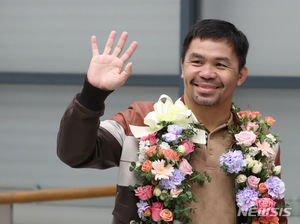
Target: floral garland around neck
(166, 144)
(171, 136)
(250, 161)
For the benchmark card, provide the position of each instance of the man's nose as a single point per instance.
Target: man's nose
(207, 71)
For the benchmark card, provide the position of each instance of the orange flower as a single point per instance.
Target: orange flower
(270, 220)
(273, 220)
(160, 152)
(255, 221)
(243, 113)
(254, 114)
(147, 165)
(262, 188)
(176, 157)
(153, 182)
(166, 215)
(168, 153)
(149, 152)
(147, 212)
(250, 115)
(270, 120)
(263, 220)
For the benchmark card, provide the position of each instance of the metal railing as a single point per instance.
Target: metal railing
(8, 199)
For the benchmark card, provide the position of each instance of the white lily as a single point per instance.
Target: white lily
(177, 113)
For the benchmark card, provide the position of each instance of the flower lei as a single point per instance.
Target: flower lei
(250, 161)
(165, 173)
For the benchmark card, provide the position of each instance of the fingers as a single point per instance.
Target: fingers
(94, 46)
(120, 44)
(110, 42)
(129, 51)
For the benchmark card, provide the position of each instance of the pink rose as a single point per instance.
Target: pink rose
(253, 182)
(156, 208)
(144, 192)
(253, 126)
(185, 167)
(175, 192)
(245, 137)
(189, 147)
(150, 137)
(266, 207)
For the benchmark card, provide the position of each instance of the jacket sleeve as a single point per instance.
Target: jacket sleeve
(280, 202)
(81, 141)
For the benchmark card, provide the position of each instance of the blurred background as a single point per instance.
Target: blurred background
(45, 53)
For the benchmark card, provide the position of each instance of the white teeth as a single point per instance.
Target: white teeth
(205, 87)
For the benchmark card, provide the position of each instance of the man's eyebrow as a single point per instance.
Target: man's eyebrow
(195, 55)
(226, 59)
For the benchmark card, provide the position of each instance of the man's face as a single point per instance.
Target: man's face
(211, 72)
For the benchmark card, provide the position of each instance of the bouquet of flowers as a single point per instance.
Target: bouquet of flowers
(165, 173)
(250, 161)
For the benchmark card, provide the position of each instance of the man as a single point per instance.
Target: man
(213, 64)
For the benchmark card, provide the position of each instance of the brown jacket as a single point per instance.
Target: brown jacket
(84, 142)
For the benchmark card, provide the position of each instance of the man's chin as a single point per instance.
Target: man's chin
(206, 102)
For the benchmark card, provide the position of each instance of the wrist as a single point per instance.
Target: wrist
(92, 97)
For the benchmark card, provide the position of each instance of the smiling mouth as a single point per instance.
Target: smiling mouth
(205, 86)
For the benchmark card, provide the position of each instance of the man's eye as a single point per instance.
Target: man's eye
(196, 62)
(221, 65)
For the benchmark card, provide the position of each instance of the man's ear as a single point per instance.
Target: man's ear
(242, 76)
(181, 64)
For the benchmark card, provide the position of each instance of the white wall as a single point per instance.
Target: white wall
(54, 35)
(273, 30)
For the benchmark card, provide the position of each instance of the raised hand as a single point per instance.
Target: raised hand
(106, 70)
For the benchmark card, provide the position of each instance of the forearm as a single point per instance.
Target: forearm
(81, 142)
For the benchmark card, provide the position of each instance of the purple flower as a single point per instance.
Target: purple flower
(174, 132)
(276, 187)
(173, 181)
(142, 206)
(234, 161)
(246, 198)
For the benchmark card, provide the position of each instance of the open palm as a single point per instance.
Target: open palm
(106, 70)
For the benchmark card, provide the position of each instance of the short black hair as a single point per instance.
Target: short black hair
(218, 30)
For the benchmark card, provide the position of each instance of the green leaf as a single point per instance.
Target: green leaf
(184, 198)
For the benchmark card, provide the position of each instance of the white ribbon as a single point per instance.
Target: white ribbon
(177, 113)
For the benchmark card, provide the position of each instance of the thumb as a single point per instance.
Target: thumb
(127, 71)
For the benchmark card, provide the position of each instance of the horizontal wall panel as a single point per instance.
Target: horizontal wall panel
(53, 36)
(143, 80)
